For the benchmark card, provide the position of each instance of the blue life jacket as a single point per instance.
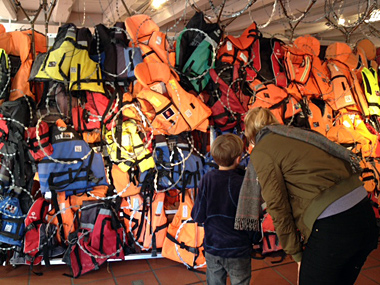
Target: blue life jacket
(170, 164)
(86, 168)
(11, 221)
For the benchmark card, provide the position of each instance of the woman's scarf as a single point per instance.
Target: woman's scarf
(249, 205)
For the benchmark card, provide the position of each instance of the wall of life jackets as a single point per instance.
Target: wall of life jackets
(105, 136)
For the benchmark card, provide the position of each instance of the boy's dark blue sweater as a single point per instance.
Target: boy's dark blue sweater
(215, 206)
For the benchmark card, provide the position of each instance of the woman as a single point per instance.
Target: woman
(312, 189)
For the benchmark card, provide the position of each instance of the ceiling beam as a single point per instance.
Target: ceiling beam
(7, 10)
(62, 11)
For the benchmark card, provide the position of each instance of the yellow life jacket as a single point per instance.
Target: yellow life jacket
(157, 76)
(371, 90)
(84, 72)
(57, 61)
(69, 61)
(128, 150)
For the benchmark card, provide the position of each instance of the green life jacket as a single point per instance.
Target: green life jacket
(371, 90)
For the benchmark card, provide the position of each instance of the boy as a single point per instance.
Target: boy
(227, 250)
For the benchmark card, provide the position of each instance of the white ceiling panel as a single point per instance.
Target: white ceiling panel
(274, 17)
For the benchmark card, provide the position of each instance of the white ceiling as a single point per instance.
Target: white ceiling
(273, 17)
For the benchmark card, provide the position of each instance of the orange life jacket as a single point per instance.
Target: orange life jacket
(19, 43)
(122, 182)
(134, 210)
(370, 175)
(243, 50)
(146, 35)
(64, 220)
(184, 240)
(297, 64)
(269, 96)
(97, 192)
(319, 119)
(350, 129)
(347, 92)
(156, 227)
(157, 76)
(318, 84)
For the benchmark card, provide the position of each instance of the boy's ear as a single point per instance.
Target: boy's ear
(238, 160)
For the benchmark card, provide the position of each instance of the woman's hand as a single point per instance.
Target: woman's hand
(298, 274)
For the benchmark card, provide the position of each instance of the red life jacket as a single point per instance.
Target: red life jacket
(228, 111)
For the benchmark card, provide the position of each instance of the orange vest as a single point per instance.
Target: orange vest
(146, 35)
(184, 241)
(159, 82)
(18, 43)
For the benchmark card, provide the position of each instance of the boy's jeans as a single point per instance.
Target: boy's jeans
(238, 269)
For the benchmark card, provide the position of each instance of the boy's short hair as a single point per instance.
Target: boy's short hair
(226, 148)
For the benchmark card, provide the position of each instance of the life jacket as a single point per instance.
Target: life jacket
(54, 103)
(134, 209)
(350, 130)
(39, 242)
(371, 90)
(133, 111)
(73, 167)
(125, 183)
(156, 226)
(195, 46)
(57, 61)
(369, 50)
(126, 148)
(100, 236)
(18, 44)
(271, 242)
(272, 69)
(269, 96)
(146, 35)
(184, 238)
(88, 111)
(11, 220)
(5, 75)
(227, 110)
(347, 92)
(39, 146)
(244, 50)
(127, 57)
(370, 174)
(154, 76)
(61, 216)
(103, 51)
(298, 64)
(96, 193)
(15, 117)
(177, 166)
(85, 73)
(68, 61)
(319, 115)
(318, 84)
